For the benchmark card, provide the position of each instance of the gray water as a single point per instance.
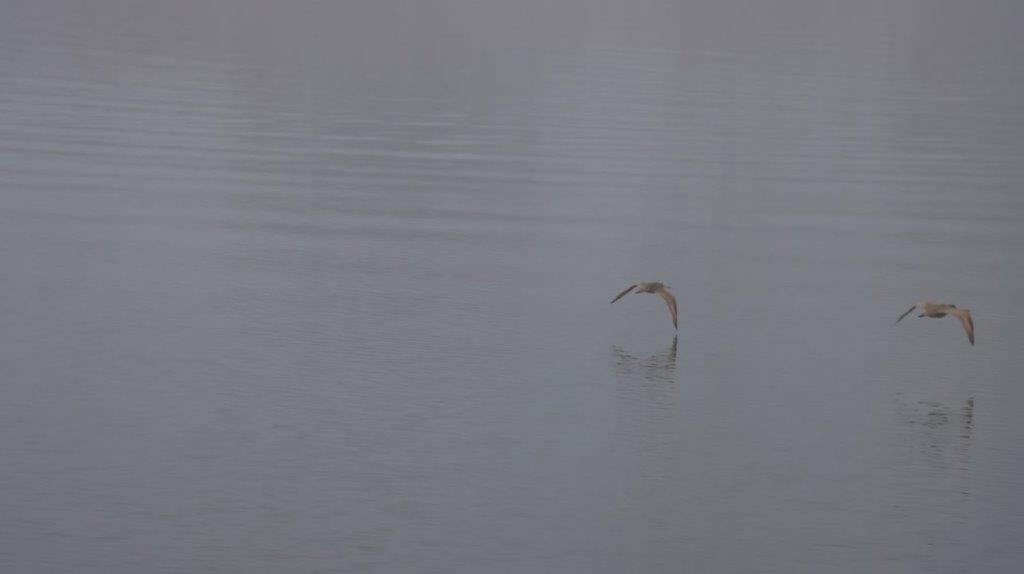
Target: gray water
(304, 287)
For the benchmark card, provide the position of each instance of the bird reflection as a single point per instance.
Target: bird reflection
(659, 367)
(650, 442)
(936, 417)
(938, 450)
(967, 423)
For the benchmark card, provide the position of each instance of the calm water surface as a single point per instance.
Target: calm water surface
(316, 288)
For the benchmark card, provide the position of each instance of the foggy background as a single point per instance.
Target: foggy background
(323, 287)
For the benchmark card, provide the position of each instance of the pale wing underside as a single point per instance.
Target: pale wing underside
(623, 294)
(966, 321)
(671, 302)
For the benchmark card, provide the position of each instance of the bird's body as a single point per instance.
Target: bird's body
(654, 287)
(939, 310)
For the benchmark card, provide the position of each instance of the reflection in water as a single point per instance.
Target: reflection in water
(942, 435)
(658, 367)
(650, 445)
(936, 417)
(937, 458)
(967, 423)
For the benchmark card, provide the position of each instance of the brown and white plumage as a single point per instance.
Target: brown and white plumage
(938, 310)
(660, 289)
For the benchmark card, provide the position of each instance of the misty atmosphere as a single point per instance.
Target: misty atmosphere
(324, 286)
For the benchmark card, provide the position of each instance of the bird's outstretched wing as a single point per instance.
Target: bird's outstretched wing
(623, 294)
(905, 314)
(965, 319)
(671, 301)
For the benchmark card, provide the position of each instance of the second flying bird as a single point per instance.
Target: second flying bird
(660, 289)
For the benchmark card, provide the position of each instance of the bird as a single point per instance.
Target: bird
(654, 287)
(939, 310)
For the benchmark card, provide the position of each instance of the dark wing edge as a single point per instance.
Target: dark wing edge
(671, 302)
(623, 294)
(905, 314)
(968, 323)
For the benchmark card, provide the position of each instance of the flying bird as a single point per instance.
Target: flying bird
(939, 310)
(660, 289)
